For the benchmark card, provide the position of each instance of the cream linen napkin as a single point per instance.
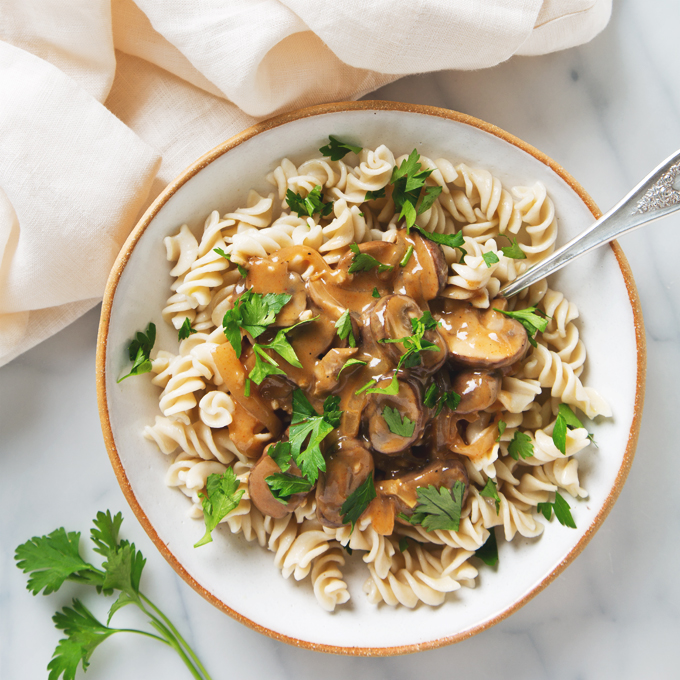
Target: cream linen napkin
(102, 102)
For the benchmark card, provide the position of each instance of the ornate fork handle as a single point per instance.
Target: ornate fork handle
(656, 196)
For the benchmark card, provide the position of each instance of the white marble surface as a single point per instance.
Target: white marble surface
(608, 112)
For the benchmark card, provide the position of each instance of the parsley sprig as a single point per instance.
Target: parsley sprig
(254, 313)
(311, 204)
(337, 150)
(185, 330)
(53, 559)
(308, 429)
(409, 192)
(139, 351)
(562, 511)
(220, 498)
(566, 419)
(438, 509)
(532, 322)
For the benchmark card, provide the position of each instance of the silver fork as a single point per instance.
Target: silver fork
(656, 196)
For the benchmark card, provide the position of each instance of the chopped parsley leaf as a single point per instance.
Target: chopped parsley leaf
(358, 501)
(488, 553)
(363, 262)
(521, 445)
(450, 399)
(281, 453)
(344, 328)
(375, 293)
(254, 313)
(185, 330)
(490, 258)
(501, 428)
(408, 181)
(438, 509)
(531, 321)
(407, 257)
(373, 195)
(283, 485)
(565, 419)
(562, 511)
(139, 352)
(431, 395)
(337, 150)
(264, 366)
(514, 250)
(490, 490)
(241, 269)
(306, 422)
(313, 203)
(349, 363)
(220, 498)
(402, 427)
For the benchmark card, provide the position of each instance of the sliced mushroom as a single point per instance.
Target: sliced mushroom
(327, 369)
(440, 473)
(407, 404)
(478, 389)
(278, 390)
(480, 338)
(347, 468)
(260, 493)
(265, 276)
(424, 275)
(391, 318)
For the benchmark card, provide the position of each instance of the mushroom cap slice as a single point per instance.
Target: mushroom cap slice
(347, 468)
(407, 403)
(390, 319)
(478, 389)
(440, 473)
(480, 338)
(424, 275)
(260, 493)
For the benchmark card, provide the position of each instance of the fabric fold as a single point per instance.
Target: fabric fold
(106, 101)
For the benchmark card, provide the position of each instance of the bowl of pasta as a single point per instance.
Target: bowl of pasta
(321, 408)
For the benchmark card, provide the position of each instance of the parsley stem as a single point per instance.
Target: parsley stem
(142, 632)
(407, 257)
(174, 643)
(177, 635)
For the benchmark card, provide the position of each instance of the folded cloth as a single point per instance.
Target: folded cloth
(105, 101)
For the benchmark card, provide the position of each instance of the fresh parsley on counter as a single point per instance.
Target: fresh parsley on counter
(54, 559)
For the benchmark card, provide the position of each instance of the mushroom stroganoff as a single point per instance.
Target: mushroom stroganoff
(348, 379)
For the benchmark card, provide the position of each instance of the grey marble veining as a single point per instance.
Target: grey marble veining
(608, 112)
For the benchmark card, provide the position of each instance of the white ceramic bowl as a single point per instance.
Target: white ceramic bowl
(241, 578)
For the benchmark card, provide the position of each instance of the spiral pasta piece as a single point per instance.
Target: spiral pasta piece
(196, 440)
(548, 368)
(329, 588)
